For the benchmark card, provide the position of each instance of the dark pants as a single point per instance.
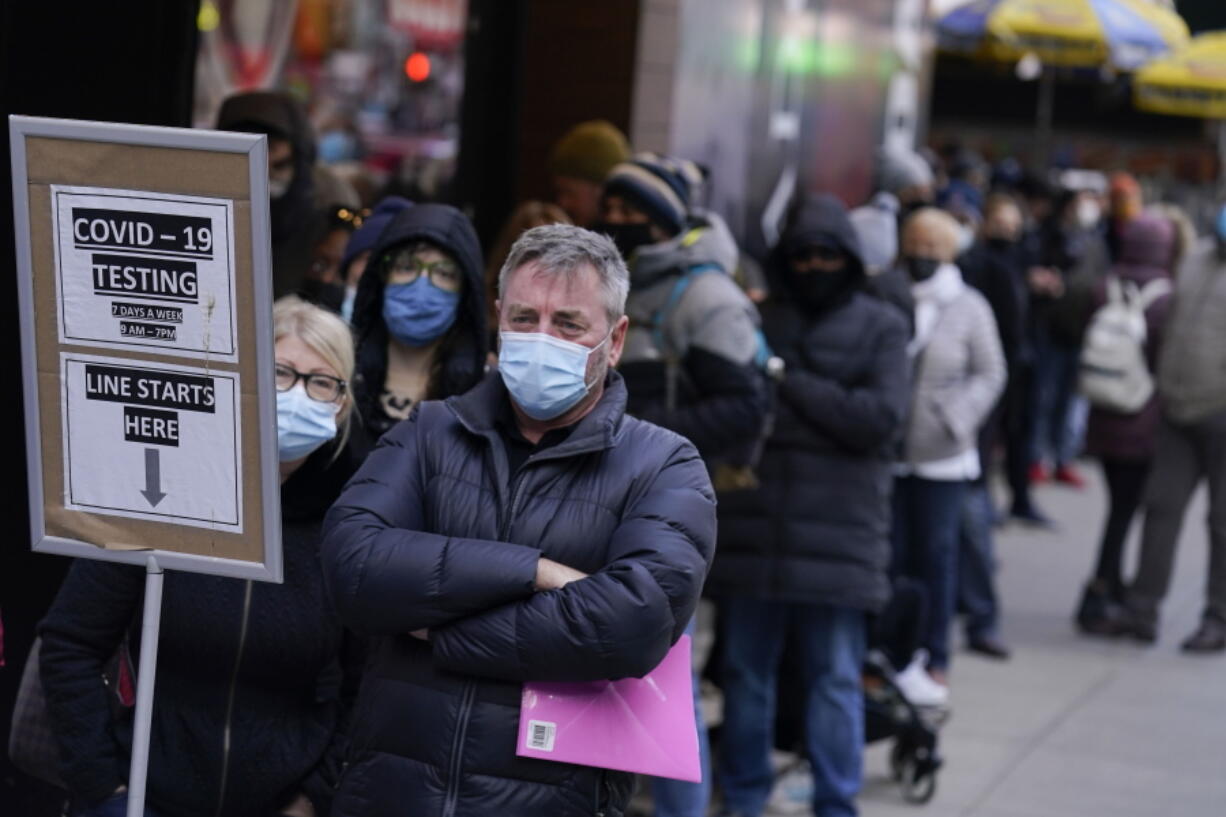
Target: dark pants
(1125, 488)
(977, 565)
(1019, 430)
(831, 645)
(927, 519)
(1185, 455)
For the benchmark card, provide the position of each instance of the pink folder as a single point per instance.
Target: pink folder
(641, 725)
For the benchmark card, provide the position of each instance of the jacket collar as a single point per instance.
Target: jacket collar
(478, 411)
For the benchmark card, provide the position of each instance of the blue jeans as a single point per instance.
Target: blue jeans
(832, 644)
(677, 798)
(1059, 424)
(977, 564)
(927, 519)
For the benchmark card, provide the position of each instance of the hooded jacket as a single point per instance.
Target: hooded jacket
(701, 336)
(1146, 247)
(1191, 377)
(461, 357)
(816, 531)
(435, 532)
(275, 113)
(254, 680)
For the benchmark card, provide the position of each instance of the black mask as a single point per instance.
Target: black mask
(330, 296)
(627, 237)
(818, 291)
(919, 268)
(1000, 244)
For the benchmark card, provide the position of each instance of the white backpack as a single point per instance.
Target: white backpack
(1114, 372)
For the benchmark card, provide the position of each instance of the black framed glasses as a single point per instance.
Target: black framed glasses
(322, 387)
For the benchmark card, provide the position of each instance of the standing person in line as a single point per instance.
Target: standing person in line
(689, 361)
(1191, 447)
(419, 315)
(254, 680)
(996, 267)
(959, 373)
(1124, 442)
(578, 165)
(360, 246)
(806, 553)
(528, 530)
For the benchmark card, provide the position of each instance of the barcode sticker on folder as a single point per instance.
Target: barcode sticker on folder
(541, 735)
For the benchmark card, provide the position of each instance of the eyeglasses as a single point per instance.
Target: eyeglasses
(405, 267)
(322, 387)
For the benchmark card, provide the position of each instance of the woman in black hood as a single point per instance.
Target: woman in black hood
(419, 315)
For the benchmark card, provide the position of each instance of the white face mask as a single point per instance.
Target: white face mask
(1088, 214)
(277, 187)
(966, 238)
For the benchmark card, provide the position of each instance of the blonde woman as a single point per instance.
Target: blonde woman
(958, 373)
(252, 677)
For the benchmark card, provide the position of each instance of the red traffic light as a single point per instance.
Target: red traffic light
(417, 67)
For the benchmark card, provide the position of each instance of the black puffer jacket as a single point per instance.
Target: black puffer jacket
(433, 532)
(278, 649)
(461, 356)
(816, 530)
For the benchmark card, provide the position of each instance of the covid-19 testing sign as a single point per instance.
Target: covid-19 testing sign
(144, 272)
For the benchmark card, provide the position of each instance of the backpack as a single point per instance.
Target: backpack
(1114, 373)
(736, 471)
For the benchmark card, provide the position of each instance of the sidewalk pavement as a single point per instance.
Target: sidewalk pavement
(1071, 726)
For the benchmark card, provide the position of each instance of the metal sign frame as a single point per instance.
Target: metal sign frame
(255, 148)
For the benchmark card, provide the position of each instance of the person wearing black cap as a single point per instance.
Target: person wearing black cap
(803, 558)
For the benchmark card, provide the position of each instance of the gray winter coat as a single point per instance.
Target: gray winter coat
(958, 378)
(1192, 368)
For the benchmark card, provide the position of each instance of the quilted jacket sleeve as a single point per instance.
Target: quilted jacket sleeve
(386, 575)
(622, 620)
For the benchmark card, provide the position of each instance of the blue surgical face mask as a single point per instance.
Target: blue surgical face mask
(418, 313)
(546, 376)
(303, 424)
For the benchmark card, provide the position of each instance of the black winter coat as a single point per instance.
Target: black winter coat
(816, 530)
(278, 650)
(433, 532)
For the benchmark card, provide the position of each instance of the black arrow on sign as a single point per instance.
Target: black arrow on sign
(153, 477)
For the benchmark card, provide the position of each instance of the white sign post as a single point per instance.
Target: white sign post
(146, 298)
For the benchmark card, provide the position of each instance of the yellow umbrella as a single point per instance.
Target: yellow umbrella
(1188, 82)
(1122, 34)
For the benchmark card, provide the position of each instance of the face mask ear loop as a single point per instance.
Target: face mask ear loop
(608, 335)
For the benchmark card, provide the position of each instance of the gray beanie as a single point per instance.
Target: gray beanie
(876, 225)
(900, 168)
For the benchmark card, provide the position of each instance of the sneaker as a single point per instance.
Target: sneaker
(1070, 476)
(1038, 473)
(917, 685)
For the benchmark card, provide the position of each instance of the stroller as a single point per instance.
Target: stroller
(914, 760)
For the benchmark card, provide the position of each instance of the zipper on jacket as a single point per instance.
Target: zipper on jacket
(226, 732)
(601, 798)
(457, 749)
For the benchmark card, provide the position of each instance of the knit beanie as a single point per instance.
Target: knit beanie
(654, 185)
(899, 169)
(589, 151)
(367, 236)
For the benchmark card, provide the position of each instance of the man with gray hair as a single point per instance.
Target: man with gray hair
(528, 530)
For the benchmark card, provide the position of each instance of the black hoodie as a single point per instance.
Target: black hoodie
(461, 361)
(278, 114)
(816, 530)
